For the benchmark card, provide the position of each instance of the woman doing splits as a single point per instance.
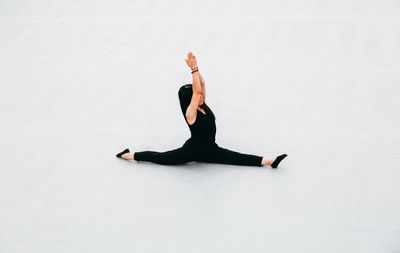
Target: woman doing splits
(201, 146)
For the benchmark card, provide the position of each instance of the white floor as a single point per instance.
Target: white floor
(82, 80)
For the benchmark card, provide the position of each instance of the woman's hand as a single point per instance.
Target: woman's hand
(191, 60)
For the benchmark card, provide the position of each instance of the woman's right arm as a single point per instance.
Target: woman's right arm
(191, 111)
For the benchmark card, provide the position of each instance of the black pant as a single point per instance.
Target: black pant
(209, 153)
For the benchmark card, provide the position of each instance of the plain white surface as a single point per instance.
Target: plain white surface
(82, 80)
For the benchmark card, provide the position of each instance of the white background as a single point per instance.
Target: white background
(82, 80)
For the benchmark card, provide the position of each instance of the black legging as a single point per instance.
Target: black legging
(189, 152)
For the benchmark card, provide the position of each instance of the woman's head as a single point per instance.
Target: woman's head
(185, 96)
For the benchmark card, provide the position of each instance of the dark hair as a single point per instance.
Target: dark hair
(185, 96)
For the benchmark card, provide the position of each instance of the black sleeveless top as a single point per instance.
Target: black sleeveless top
(203, 130)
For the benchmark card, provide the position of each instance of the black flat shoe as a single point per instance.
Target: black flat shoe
(123, 152)
(278, 160)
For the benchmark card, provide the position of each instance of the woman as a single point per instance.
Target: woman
(201, 146)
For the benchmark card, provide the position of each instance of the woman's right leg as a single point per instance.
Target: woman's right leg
(172, 157)
(226, 156)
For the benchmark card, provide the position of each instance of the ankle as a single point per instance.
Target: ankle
(266, 161)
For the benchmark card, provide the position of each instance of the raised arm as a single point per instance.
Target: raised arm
(192, 63)
(196, 82)
(203, 86)
(191, 111)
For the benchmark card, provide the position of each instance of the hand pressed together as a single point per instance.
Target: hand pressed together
(191, 60)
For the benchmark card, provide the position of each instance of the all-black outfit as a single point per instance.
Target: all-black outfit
(201, 146)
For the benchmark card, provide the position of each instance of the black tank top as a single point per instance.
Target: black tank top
(203, 130)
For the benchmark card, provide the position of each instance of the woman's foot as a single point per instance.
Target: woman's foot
(278, 160)
(273, 162)
(126, 155)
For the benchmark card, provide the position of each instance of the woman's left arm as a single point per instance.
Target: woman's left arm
(192, 63)
(203, 87)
